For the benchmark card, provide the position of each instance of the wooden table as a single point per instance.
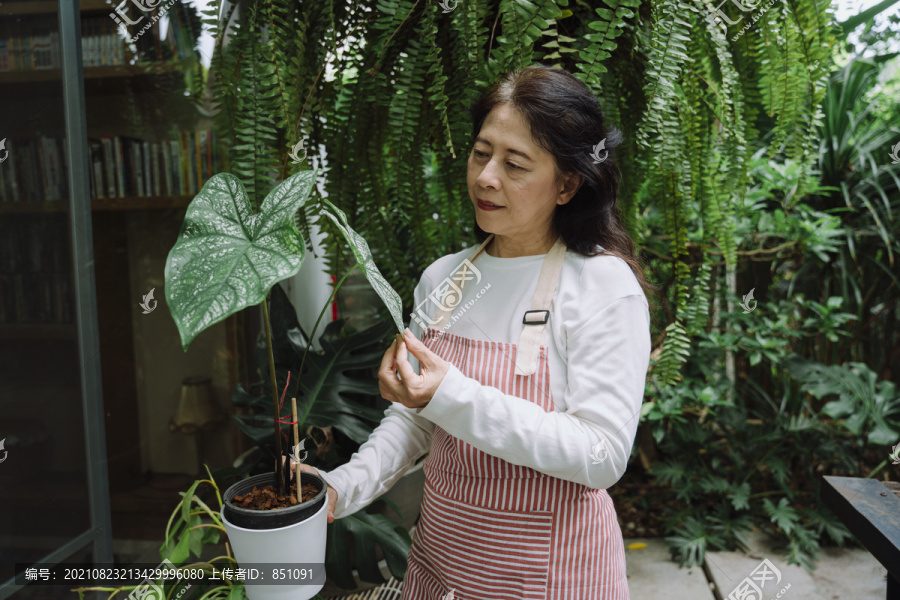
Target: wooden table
(871, 511)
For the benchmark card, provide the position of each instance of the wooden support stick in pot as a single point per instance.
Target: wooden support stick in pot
(296, 452)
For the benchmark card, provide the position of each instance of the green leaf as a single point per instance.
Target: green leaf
(360, 249)
(186, 502)
(883, 435)
(195, 537)
(740, 496)
(783, 515)
(236, 592)
(226, 258)
(181, 551)
(210, 535)
(366, 531)
(329, 384)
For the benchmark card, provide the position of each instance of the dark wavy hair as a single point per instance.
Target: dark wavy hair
(566, 121)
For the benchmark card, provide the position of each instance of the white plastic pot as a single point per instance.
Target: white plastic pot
(266, 538)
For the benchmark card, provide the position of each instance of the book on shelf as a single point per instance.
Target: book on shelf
(109, 164)
(35, 282)
(96, 160)
(33, 43)
(36, 168)
(148, 188)
(149, 168)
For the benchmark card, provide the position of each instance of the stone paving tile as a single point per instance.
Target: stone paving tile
(841, 574)
(731, 569)
(653, 575)
(849, 574)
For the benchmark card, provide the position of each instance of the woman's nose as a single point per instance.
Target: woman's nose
(488, 177)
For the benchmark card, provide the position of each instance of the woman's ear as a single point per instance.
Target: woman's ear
(570, 185)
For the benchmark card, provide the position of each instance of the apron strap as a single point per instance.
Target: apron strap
(535, 320)
(451, 289)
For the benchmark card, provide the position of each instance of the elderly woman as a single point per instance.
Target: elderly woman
(524, 366)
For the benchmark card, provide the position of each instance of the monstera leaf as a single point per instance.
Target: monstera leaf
(330, 377)
(366, 530)
(226, 258)
(325, 387)
(363, 254)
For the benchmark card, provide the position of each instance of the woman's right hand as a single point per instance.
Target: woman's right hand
(332, 493)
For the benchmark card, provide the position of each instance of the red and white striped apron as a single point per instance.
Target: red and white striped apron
(490, 529)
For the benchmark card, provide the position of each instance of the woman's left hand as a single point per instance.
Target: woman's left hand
(413, 391)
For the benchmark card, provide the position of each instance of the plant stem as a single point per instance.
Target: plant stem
(312, 336)
(876, 469)
(208, 525)
(296, 443)
(279, 473)
(763, 494)
(212, 482)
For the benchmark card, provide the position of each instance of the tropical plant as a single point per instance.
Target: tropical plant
(757, 462)
(869, 408)
(193, 525)
(855, 163)
(227, 258)
(338, 380)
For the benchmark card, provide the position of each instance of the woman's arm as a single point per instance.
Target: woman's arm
(393, 447)
(607, 360)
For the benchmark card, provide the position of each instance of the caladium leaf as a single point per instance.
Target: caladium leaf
(226, 258)
(363, 254)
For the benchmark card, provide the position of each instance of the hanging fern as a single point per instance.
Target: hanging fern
(522, 23)
(384, 89)
(600, 45)
(697, 313)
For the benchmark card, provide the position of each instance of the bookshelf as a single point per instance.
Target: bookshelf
(43, 7)
(150, 151)
(127, 203)
(91, 73)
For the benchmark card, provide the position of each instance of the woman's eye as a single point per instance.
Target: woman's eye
(480, 154)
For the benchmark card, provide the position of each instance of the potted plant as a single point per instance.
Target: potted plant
(195, 527)
(340, 384)
(225, 259)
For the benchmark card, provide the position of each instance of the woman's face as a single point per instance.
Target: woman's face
(512, 181)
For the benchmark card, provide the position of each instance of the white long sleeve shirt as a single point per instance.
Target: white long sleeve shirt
(598, 341)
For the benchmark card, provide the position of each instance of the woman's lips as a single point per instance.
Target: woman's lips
(484, 205)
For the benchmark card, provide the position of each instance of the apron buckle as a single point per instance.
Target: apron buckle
(534, 320)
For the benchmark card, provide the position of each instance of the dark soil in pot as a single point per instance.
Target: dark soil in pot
(254, 503)
(266, 497)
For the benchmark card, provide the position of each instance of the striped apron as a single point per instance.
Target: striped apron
(490, 529)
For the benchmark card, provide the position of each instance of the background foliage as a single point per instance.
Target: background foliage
(751, 163)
